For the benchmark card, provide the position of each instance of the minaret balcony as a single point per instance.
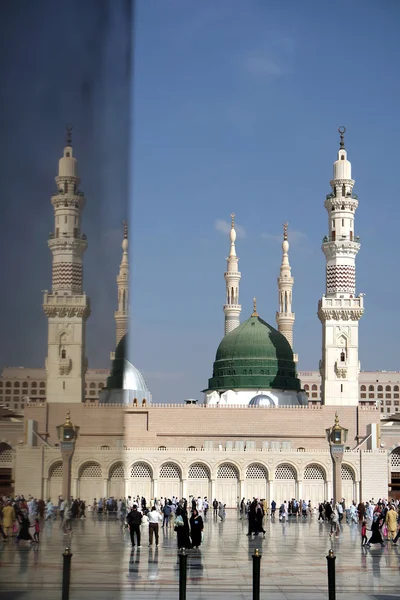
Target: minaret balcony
(234, 306)
(341, 370)
(341, 238)
(65, 366)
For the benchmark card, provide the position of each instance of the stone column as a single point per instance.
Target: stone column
(337, 481)
(184, 487)
(66, 483)
(46, 489)
(241, 489)
(271, 492)
(105, 488)
(299, 490)
(328, 490)
(356, 492)
(75, 488)
(213, 490)
(127, 491)
(155, 488)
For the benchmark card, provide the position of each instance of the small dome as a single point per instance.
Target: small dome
(261, 400)
(133, 378)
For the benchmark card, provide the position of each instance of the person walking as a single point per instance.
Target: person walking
(391, 524)
(155, 518)
(24, 523)
(215, 508)
(9, 519)
(364, 533)
(134, 520)
(196, 528)
(166, 513)
(182, 526)
(376, 537)
(36, 535)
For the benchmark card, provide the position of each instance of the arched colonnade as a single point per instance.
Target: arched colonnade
(226, 481)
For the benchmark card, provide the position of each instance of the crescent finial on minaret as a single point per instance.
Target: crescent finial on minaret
(285, 228)
(69, 134)
(342, 131)
(255, 313)
(125, 224)
(233, 220)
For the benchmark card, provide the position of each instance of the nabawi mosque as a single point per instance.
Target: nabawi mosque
(254, 434)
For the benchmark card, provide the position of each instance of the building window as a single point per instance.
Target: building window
(1, 384)
(371, 395)
(306, 387)
(42, 384)
(388, 402)
(34, 384)
(380, 388)
(341, 387)
(363, 388)
(388, 395)
(314, 387)
(396, 388)
(92, 392)
(396, 403)
(395, 395)
(25, 384)
(380, 395)
(8, 384)
(8, 398)
(16, 393)
(363, 395)
(388, 388)
(92, 385)
(16, 384)
(371, 388)
(63, 354)
(101, 385)
(314, 395)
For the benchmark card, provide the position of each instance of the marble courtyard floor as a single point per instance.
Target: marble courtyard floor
(293, 564)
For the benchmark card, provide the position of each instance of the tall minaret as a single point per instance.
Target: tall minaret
(232, 308)
(122, 314)
(285, 317)
(67, 306)
(340, 309)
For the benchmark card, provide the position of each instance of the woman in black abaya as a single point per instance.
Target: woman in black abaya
(196, 527)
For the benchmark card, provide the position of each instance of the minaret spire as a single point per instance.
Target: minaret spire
(232, 308)
(122, 313)
(340, 309)
(67, 306)
(285, 317)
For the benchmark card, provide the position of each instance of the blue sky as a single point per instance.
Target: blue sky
(234, 106)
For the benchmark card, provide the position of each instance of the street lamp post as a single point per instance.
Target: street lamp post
(67, 434)
(337, 436)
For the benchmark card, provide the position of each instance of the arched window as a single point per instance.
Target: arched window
(25, 384)
(34, 384)
(306, 387)
(8, 384)
(16, 384)
(380, 388)
(342, 357)
(192, 448)
(314, 387)
(388, 388)
(63, 354)
(363, 388)
(371, 388)
(92, 385)
(396, 388)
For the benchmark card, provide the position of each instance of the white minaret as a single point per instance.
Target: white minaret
(67, 307)
(340, 309)
(285, 317)
(232, 308)
(122, 314)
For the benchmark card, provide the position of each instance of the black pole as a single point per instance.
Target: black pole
(66, 573)
(256, 574)
(182, 574)
(331, 575)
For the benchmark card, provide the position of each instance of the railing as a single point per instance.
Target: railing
(342, 238)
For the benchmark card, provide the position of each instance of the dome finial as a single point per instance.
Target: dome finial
(233, 220)
(69, 128)
(125, 224)
(255, 313)
(342, 131)
(285, 227)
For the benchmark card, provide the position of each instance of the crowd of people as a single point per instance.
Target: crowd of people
(378, 521)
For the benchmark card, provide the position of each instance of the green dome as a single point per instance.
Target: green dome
(254, 355)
